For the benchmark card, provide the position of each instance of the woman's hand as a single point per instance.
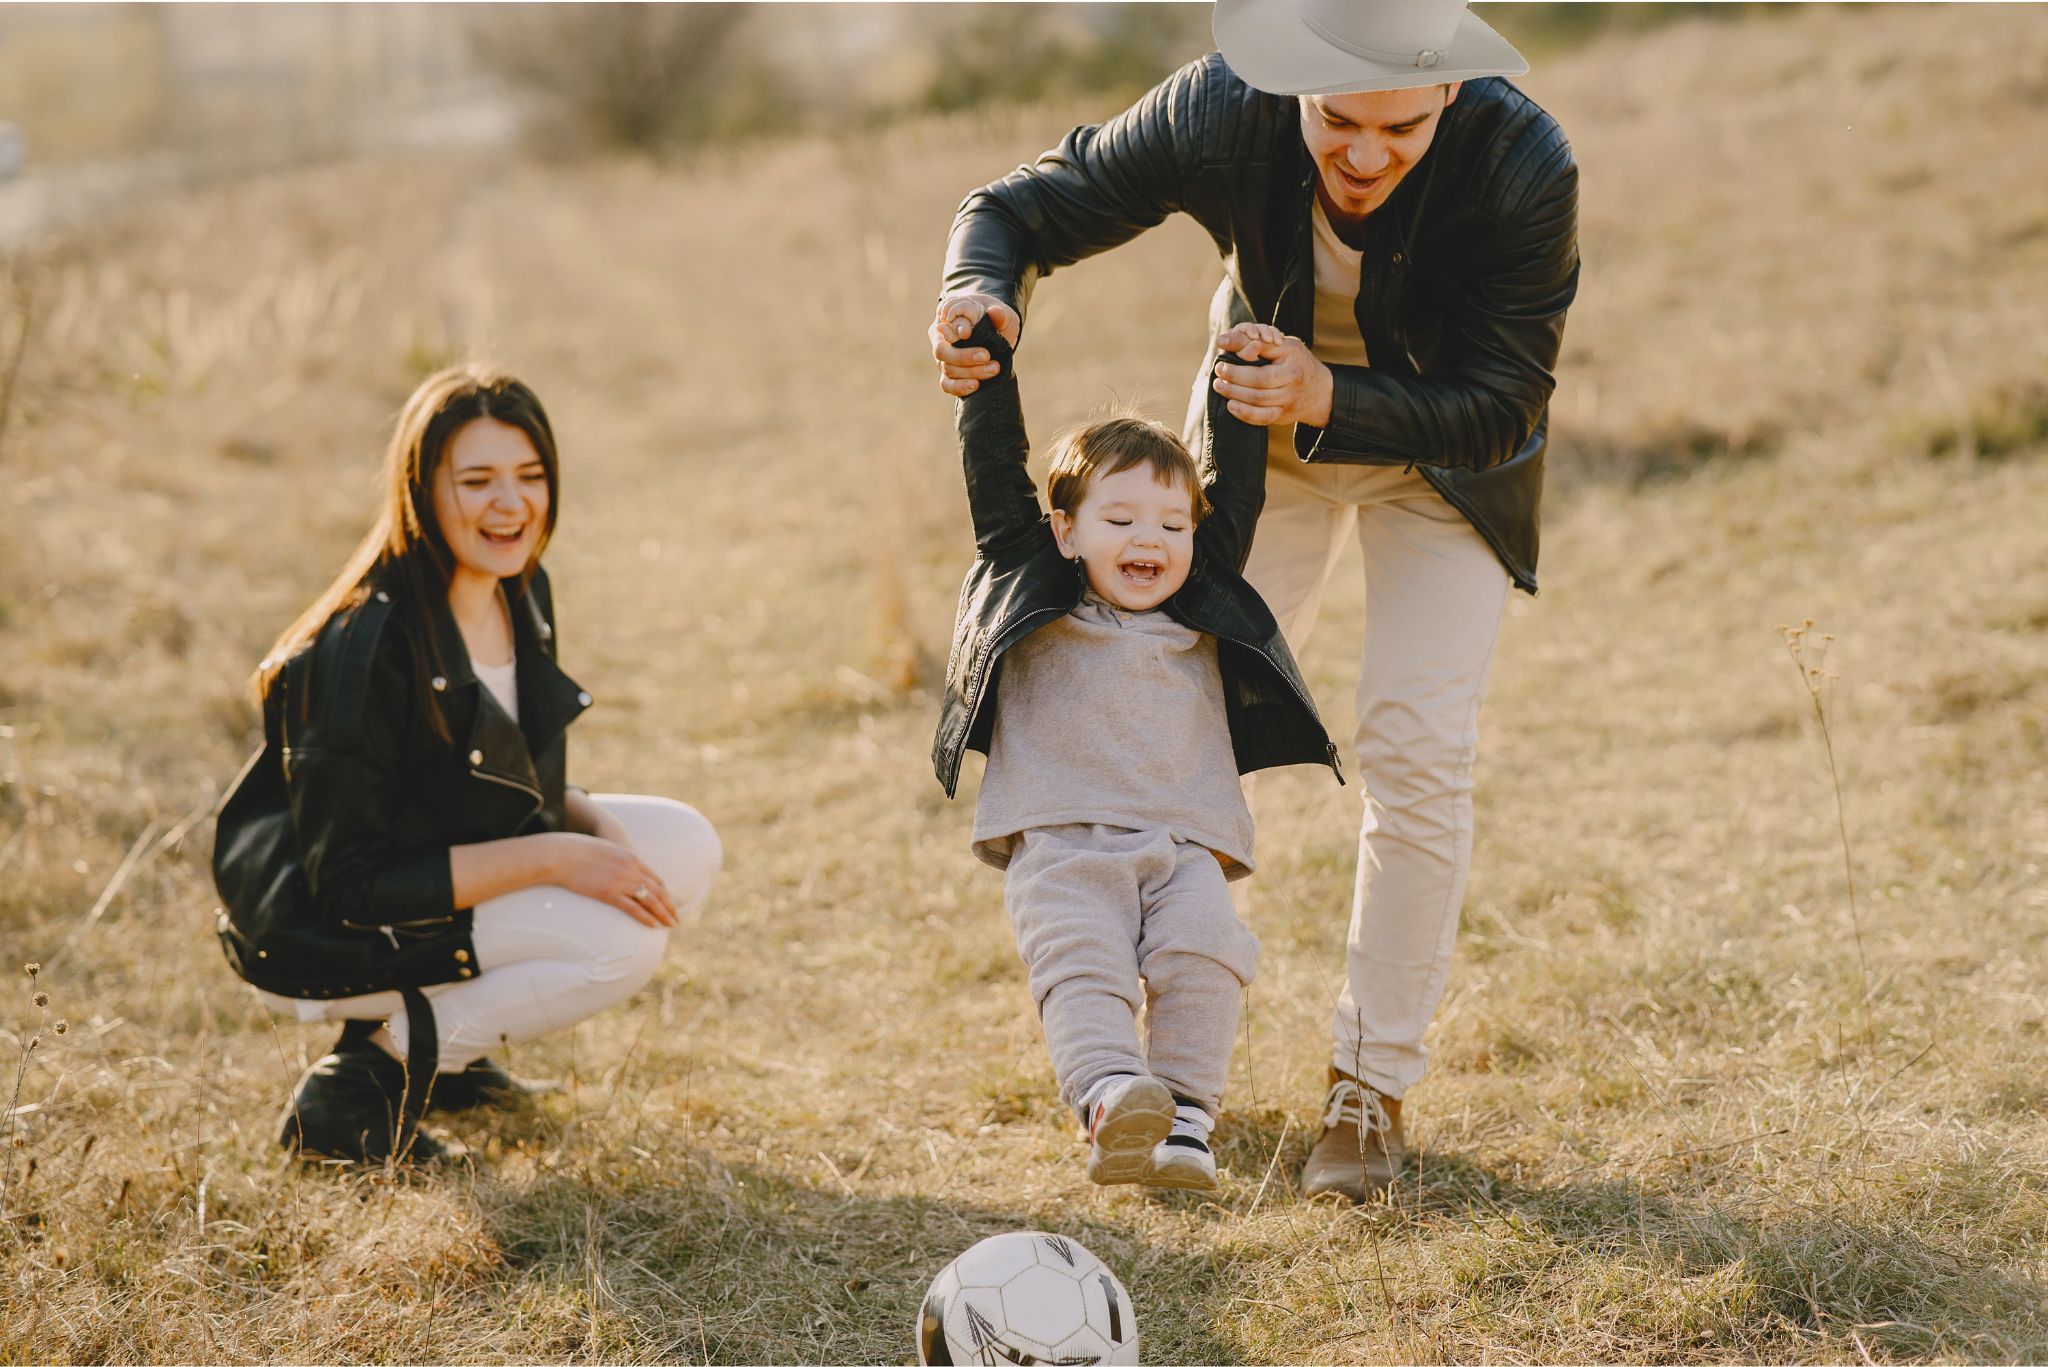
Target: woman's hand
(608, 871)
(962, 369)
(1293, 387)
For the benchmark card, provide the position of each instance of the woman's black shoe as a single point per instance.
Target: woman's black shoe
(351, 1105)
(484, 1083)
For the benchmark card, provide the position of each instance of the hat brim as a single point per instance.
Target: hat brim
(1266, 43)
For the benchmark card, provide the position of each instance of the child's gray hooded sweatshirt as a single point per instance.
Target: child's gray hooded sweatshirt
(1113, 718)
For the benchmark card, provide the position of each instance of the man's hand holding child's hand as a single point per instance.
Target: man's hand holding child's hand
(962, 369)
(1293, 387)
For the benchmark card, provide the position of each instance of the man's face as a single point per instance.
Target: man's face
(1363, 144)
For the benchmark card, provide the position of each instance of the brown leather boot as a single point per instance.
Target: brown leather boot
(1361, 1150)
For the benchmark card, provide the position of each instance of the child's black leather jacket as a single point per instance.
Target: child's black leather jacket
(331, 853)
(1020, 582)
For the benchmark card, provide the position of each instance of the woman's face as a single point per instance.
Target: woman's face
(491, 498)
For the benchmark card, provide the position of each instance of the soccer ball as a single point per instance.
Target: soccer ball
(1024, 1299)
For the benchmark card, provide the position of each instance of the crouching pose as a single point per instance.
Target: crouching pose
(1119, 673)
(404, 853)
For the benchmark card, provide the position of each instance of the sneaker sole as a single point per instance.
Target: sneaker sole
(1122, 1149)
(1182, 1177)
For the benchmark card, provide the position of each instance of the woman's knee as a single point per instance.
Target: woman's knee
(628, 953)
(672, 838)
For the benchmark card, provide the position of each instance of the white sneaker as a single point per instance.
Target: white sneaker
(1183, 1160)
(1127, 1118)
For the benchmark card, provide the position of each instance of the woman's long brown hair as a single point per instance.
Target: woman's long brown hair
(405, 548)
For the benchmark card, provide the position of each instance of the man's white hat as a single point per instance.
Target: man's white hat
(1330, 47)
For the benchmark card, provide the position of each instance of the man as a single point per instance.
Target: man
(1377, 190)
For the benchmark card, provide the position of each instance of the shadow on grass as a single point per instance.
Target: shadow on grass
(628, 1255)
(686, 1259)
(1772, 1276)
(1682, 1266)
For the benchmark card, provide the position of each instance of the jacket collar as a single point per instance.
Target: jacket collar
(548, 698)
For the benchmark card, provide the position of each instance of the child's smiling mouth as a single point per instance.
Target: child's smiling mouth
(1143, 573)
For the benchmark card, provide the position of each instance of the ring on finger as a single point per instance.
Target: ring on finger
(640, 893)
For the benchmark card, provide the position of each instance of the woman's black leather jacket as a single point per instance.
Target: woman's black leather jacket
(331, 853)
(1020, 582)
(1468, 268)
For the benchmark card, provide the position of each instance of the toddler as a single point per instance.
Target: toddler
(1117, 671)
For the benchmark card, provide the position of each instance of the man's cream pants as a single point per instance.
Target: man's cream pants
(1434, 593)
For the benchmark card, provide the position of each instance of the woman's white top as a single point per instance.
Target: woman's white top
(503, 681)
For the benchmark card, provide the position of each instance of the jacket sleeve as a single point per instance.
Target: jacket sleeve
(346, 789)
(1499, 351)
(1102, 186)
(993, 452)
(1234, 452)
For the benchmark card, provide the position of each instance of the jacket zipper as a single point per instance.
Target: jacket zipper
(1293, 271)
(1329, 746)
(388, 928)
(534, 793)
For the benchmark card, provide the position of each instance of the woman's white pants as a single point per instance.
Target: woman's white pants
(548, 957)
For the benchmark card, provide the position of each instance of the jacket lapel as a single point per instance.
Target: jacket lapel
(548, 698)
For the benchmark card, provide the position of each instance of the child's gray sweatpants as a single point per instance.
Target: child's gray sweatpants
(1097, 909)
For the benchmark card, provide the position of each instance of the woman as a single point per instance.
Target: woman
(404, 853)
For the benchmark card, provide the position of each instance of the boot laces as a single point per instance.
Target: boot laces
(1349, 1100)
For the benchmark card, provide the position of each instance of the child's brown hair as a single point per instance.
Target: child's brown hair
(1110, 447)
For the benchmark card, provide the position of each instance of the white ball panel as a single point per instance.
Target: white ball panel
(995, 1260)
(1045, 1304)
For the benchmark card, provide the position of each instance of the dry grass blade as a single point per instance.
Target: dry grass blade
(1808, 650)
(17, 347)
(140, 850)
(1279, 1147)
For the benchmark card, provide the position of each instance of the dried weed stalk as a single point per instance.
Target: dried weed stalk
(30, 1042)
(1809, 649)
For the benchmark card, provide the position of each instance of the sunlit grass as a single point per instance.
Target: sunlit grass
(1671, 1117)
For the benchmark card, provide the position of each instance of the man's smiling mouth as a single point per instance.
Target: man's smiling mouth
(1358, 185)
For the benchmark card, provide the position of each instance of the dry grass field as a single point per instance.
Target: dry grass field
(1685, 1105)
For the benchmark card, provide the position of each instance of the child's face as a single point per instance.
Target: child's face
(1134, 535)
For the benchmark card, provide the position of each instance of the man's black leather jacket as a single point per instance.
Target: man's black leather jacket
(1468, 268)
(1021, 582)
(331, 853)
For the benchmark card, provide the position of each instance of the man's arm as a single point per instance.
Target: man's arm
(1102, 186)
(1497, 357)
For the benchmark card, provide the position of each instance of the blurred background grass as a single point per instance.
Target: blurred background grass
(212, 81)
